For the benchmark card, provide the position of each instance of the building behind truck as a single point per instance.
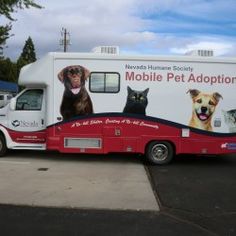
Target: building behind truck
(159, 106)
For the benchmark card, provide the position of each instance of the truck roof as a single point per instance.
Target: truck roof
(74, 55)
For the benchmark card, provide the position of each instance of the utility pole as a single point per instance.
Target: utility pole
(65, 40)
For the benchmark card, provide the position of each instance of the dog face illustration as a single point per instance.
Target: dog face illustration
(76, 100)
(204, 106)
(74, 78)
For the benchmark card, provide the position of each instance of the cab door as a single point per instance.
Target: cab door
(27, 121)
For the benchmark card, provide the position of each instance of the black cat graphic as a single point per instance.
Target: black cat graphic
(136, 101)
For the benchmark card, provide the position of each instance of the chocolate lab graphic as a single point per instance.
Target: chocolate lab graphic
(204, 106)
(76, 100)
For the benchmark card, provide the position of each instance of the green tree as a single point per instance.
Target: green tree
(7, 7)
(4, 35)
(28, 54)
(8, 70)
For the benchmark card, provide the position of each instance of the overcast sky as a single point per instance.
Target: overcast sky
(136, 26)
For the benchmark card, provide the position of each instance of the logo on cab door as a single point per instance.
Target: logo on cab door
(22, 123)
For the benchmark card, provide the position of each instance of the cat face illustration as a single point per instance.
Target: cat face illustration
(136, 101)
(230, 119)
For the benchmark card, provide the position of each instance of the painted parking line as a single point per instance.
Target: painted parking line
(15, 162)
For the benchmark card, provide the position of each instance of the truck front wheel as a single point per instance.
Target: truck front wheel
(159, 152)
(3, 146)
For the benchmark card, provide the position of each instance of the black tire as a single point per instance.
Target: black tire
(159, 152)
(3, 146)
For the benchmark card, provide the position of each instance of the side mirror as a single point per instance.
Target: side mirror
(13, 104)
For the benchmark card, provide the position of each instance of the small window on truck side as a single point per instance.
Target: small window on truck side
(30, 100)
(104, 82)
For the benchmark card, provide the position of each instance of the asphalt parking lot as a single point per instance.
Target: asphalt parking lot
(193, 196)
(199, 190)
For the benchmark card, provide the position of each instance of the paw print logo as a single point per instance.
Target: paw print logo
(16, 123)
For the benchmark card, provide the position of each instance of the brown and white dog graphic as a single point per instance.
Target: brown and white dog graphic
(76, 100)
(204, 106)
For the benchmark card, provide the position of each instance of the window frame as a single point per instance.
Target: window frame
(105, 73)
(30, 108)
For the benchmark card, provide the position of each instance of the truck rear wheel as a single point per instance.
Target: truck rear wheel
(159, 152)
(3, 146)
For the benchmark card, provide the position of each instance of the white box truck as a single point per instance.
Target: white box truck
(152, 105)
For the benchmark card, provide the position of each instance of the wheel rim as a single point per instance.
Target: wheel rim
(159, 152)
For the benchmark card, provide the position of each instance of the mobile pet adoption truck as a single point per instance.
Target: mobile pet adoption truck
(94, 103)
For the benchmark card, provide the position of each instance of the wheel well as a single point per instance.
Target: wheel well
(2, 134)
(161, 140)
(3, 146)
